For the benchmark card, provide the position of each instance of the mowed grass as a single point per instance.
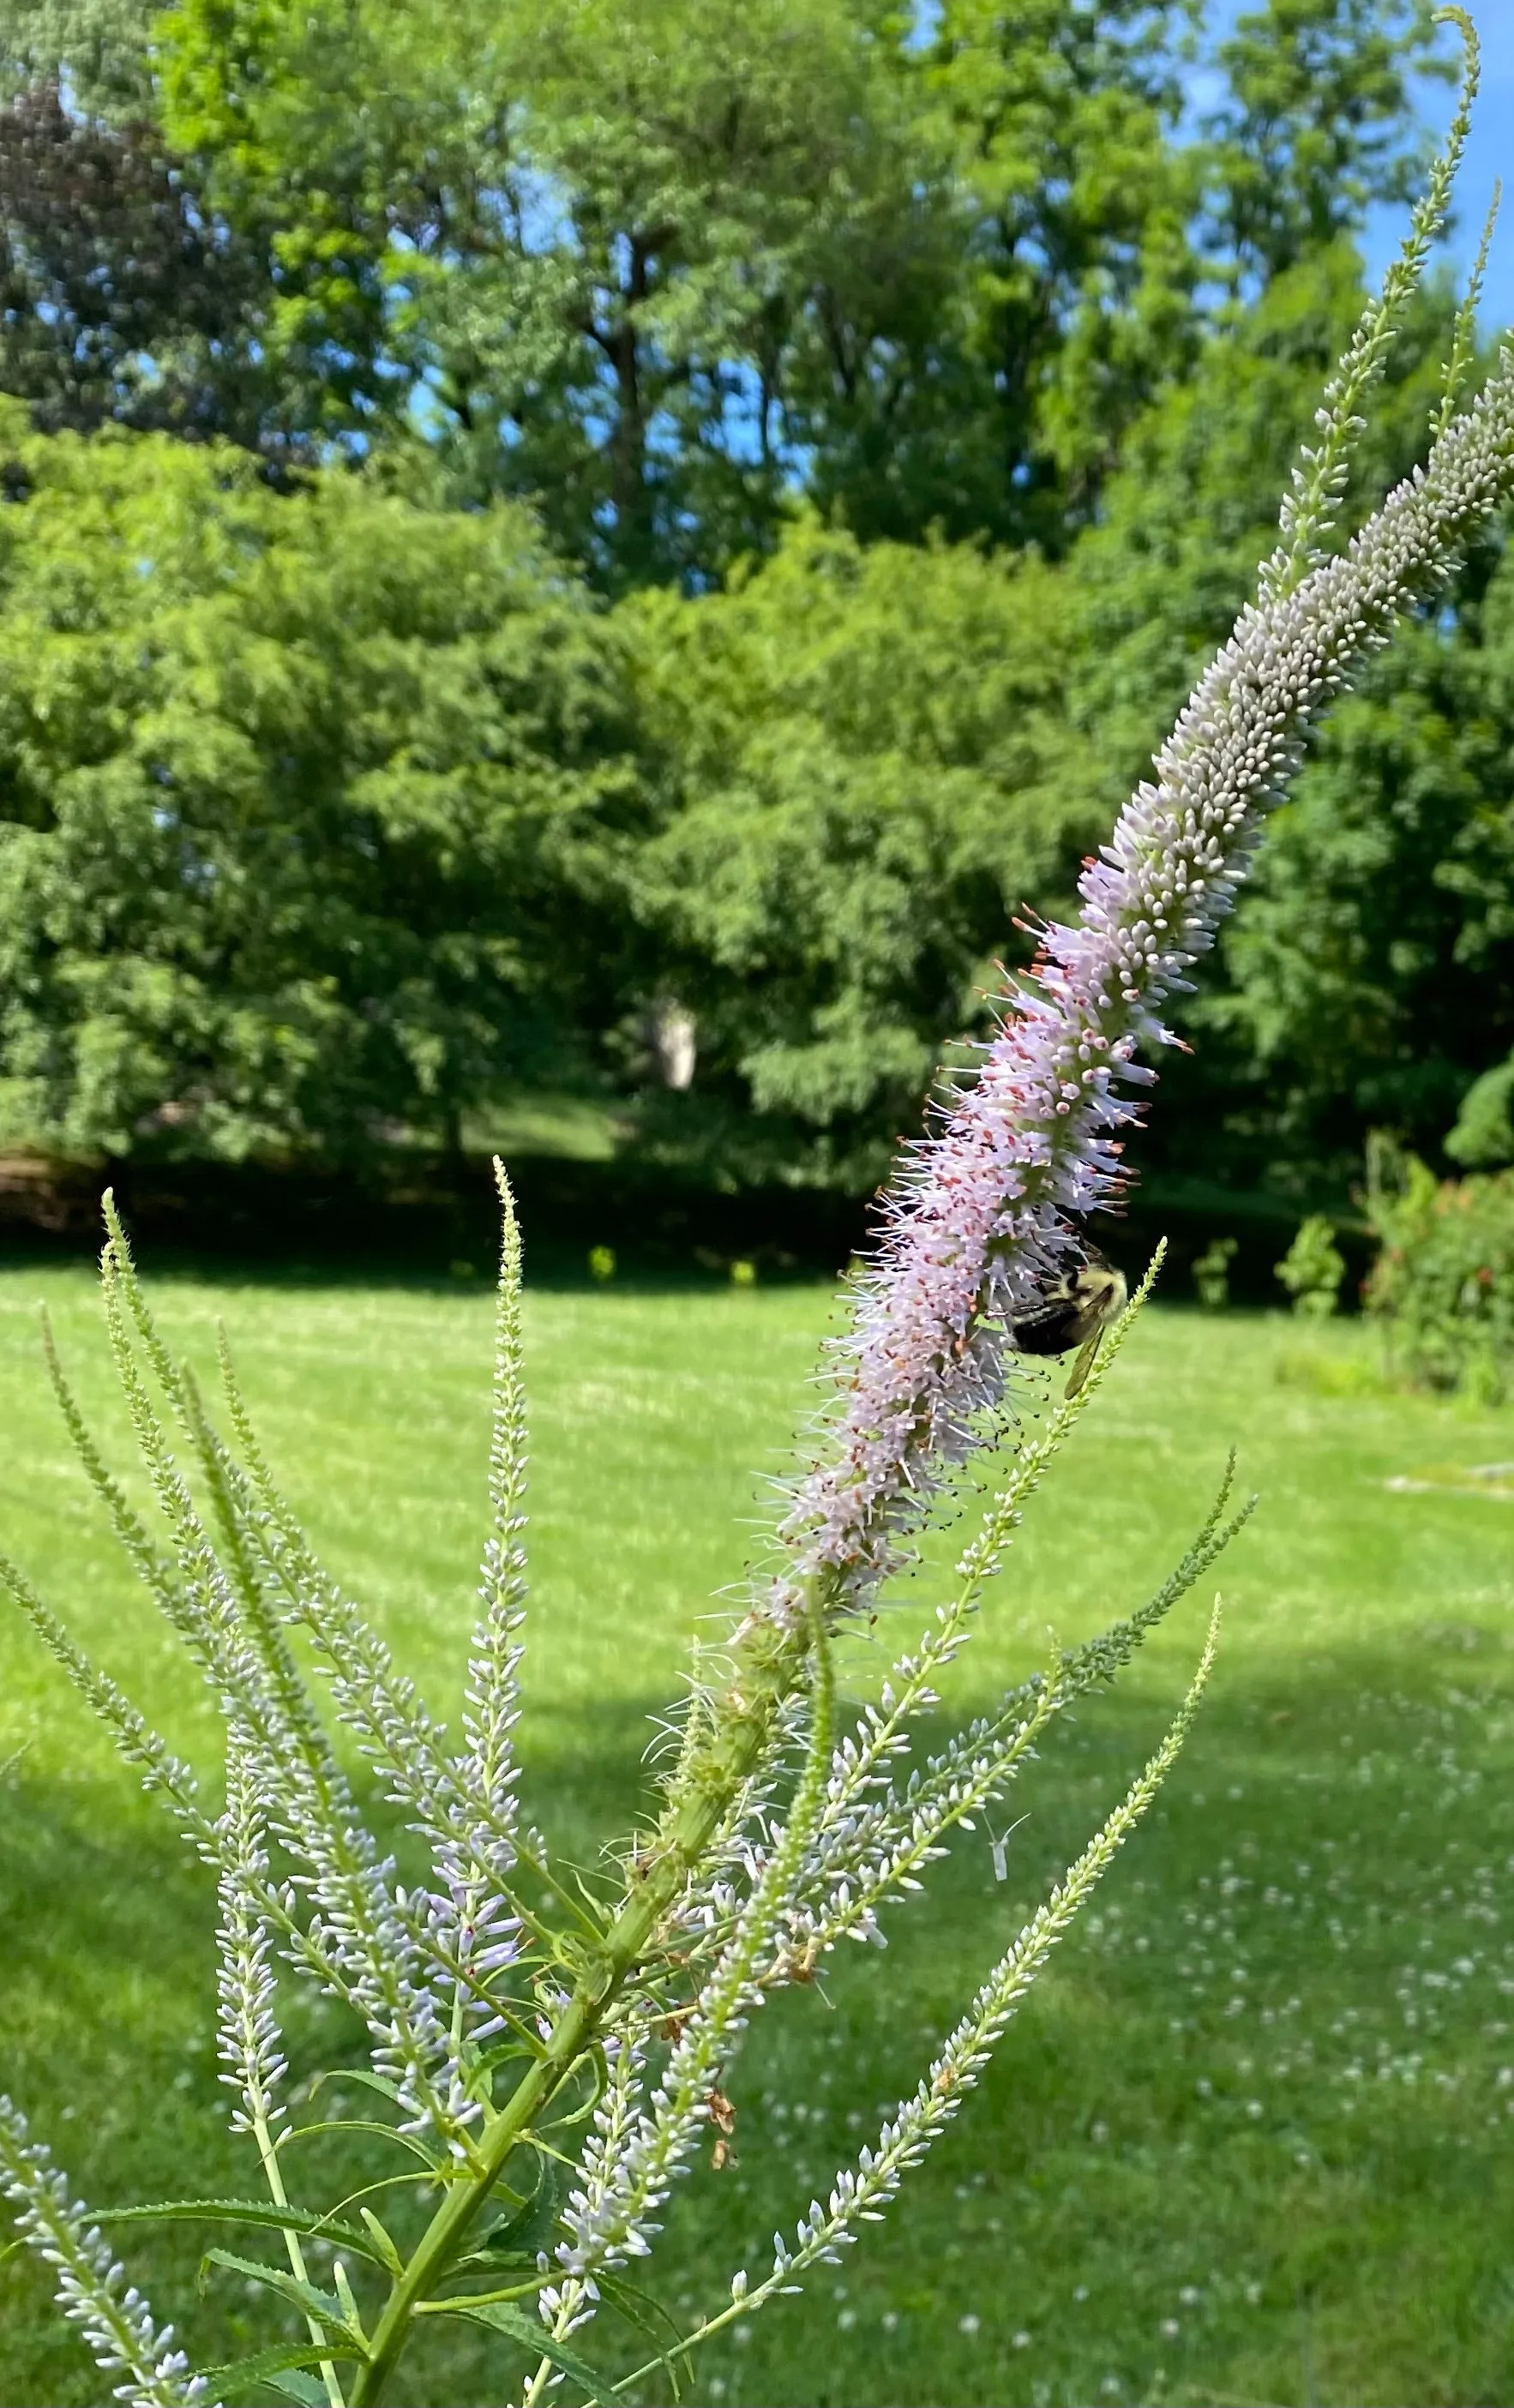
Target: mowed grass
(1252, 2138)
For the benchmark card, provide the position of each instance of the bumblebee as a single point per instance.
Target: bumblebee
(1076, 1311)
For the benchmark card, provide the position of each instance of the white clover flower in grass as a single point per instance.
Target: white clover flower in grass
(548, 2047)
(862, 2192)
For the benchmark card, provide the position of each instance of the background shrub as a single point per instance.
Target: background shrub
(1443, 1283)
(1312, 1269)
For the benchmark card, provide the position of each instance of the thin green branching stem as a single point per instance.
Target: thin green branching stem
(150, 1755)
(655, 2146)
(887, 1840)
(273, 1722)
(918, 2120)
(236, 1499)
(396, 1732)
(136, 1740)
(444, 2239)
(155, 1567)
(685, 1835)
(251, 2045)
(1465, 332)
(512, 2291)
(1074, 1672)
(250, 1670)
(495, 1653)
(273, 2174)
(223, 1607)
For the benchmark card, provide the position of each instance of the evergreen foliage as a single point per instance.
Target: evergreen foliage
(120, 302)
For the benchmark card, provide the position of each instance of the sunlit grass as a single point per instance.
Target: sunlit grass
(1251, 2140)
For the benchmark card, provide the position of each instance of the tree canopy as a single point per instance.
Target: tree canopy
(312, 807)
(660, 268)
(872, 775)
(522, 529)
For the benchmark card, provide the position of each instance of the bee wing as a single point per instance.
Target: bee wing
(1084, 1364)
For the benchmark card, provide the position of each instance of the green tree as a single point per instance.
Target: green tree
(101, 50)
(871, 774)
(995, 410)
(660, 265)
(118, 301)
(1093, 242)
(1314, 126)
(694, 185)
(665, 270)
(1370, 976)
(122, 297)
(1363, 981)
(577, 238)
(346, 143)
(314, 808)
(1192, 509)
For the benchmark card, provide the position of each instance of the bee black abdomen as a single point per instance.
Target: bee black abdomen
(1053, 1329)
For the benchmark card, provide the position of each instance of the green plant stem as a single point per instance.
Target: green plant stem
(268, 2152)
(687, 1837)
(445, 2307)
(721, 2001)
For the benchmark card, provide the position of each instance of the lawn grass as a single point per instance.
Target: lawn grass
(1250, 2141)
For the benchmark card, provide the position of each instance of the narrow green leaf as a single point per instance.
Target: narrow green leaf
(246, 2374)
(360, 2074)
(362, 2124)
(531, 2334)
(530, 2226)
(649, 2316)
(348, 2299)
(303, 2387)
(247, 2211)
(383, 2244)
(502, 2293)
(559, 2157)
(323, 2304)
(504, 2050)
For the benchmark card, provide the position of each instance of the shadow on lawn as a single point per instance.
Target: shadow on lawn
(423, 1221)
(1271, 2054)
(1403, 1750)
